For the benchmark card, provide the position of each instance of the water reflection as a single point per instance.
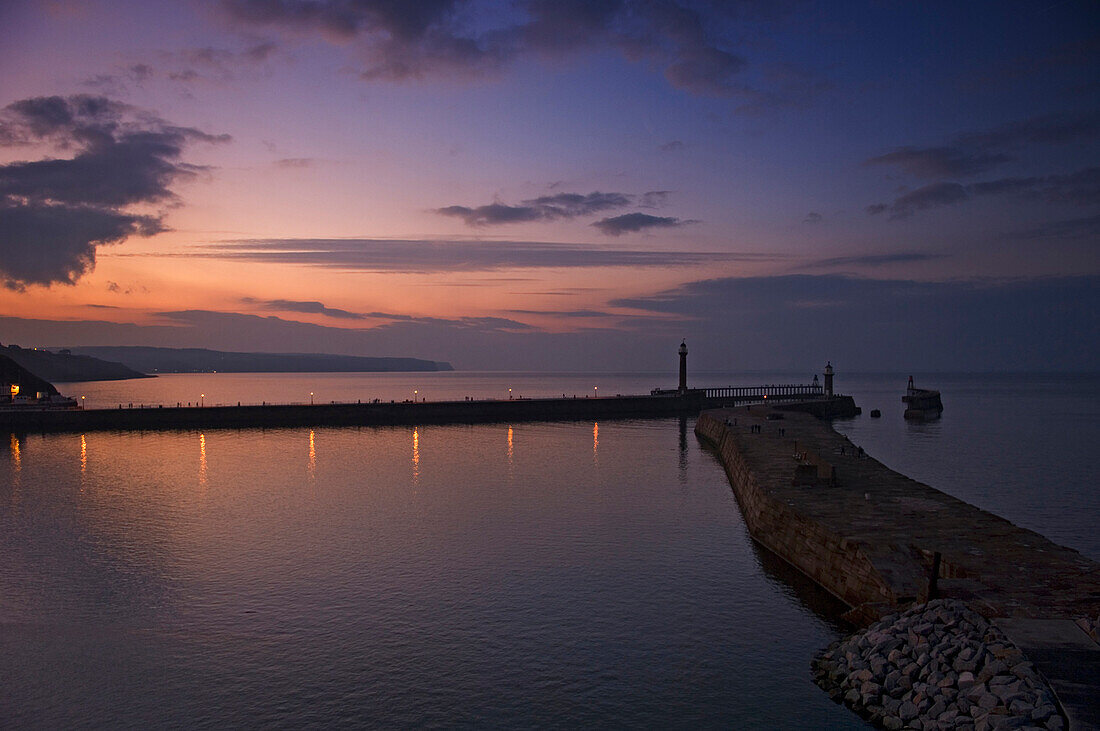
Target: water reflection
(509, 446)
(595, 442)
(312, 457)
(202, 460)
(683, 448)
(83, 460)
(416, 457)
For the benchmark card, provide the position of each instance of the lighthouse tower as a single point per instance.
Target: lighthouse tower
(683, 366)
(829, 379)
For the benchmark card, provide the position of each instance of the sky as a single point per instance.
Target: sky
(557, 185)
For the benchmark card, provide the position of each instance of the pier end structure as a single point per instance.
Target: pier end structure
(870, 535)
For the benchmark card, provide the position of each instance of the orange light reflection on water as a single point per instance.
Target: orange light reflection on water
(83, 459)
(202, 460)
(312, 456)
(595, 441)
(416, 456)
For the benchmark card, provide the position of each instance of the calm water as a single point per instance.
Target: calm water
(532, 574)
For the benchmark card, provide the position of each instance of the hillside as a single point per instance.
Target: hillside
(66, 366)
(14, 373)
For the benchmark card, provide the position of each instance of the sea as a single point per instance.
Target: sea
(550, 575)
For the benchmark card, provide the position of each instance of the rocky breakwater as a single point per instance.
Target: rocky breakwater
(938, 665)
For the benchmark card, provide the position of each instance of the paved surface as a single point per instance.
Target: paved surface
(1068, 658)
(1001, 569)
(1031, 587)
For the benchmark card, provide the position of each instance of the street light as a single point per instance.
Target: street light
(415, 394)
(81, 403)
(202, 399)
(311, 398)
(509, 394)
(595, 392)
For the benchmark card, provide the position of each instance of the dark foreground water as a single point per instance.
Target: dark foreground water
(495, 575)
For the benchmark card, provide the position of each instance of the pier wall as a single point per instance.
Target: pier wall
(838, 564)
(365, 414)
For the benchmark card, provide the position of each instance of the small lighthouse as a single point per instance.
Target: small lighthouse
(828, 378)
(683, 366)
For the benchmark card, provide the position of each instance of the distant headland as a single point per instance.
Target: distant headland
(63, 365)
(150, 360)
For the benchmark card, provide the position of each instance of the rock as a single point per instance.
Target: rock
(988, 701)
(907, 711)
(892, 723)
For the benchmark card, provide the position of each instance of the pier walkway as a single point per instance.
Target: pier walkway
(378, 413)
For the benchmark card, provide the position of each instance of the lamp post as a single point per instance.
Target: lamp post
(202, 400)
(81, 403)
(595, 392)
(311, 398)
(509, 394)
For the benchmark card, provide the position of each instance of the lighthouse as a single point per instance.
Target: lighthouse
(683, 366)
(828, 378)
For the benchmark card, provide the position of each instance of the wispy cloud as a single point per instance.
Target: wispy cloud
(1080, 188)
(973, 153)
(396, 255)
(311, 307)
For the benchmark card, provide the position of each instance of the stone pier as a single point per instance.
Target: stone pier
(872, 536)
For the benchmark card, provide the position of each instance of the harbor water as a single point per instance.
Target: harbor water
(540, 574)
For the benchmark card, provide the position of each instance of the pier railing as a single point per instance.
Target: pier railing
(782, 390)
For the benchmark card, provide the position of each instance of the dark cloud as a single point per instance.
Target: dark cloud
(54, 212)
(47, 244)
(563, 313)
(390, 255)
(631, 222)
(492, 214)
(690, 42)
(543, 208)
(1087, 227)
(939, 162)
(974, 153)
(189, 65)
(571, 205)
(929, 196)
(308, 307)
(812, 217)
(872, 260)
(1081, 188)
(1060, 128)
(294, 162)
(654, 199)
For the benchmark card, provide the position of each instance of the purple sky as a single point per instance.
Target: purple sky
(557, 185)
